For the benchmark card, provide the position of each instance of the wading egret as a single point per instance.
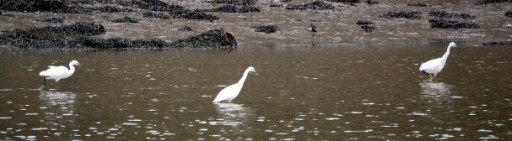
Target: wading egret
(434, 66)
(231, 92)
(59, 72)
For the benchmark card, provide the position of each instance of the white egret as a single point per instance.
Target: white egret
(59, 72)
(434, 66)
(231, 92)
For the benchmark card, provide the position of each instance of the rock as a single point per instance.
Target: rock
(266, 28)
(317, 5)
(444, 14)
(185, 29)
(125, 20)
(402, 14)
(367, 26)
(155, 15)
(193, 15)
(444, 23)
(508, 14)
(214, 38)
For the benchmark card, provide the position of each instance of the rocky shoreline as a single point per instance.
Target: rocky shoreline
(215, 24)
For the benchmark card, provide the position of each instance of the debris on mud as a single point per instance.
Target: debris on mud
(234, 9)
(50, 36)
(367, 26)
(125, 20)
(444, 23)
(444, 14)
(214, 38)
(106, 9)
(317, 5)
(185, 14)
(185, 29)
(155, 15)
(402, 14)
(482, 2)
(313, 28)
(265, 28)
(508, 14)
(497, 43)
(419, 4)
(53, 20)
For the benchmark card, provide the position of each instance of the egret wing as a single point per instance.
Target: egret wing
(53, 70)
(430, 65)
(227, 94)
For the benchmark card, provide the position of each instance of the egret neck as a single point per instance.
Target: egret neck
(445, 55)
(242, 80)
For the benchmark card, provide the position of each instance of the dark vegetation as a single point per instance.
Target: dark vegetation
(444, 23)
(156, 15)
(419, 4)
(444, 14)
(213, 38)
(235, 2)
(497, 43)
(482, 2)
(317, 5)
(50, 36)
(402, 14)
(125, 20)
(367, 26)
(193, 15)
(81, 35)
(233, 9)
(265, 28)
(53, 20)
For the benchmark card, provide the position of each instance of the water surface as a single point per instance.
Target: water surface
(337, 92)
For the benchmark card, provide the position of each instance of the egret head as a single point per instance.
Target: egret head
(452, 44)
(74, 63)
(252, 69)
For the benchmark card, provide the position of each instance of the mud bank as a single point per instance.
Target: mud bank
(161, 23)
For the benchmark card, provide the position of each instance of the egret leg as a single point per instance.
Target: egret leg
(44, 81)
(430, 77)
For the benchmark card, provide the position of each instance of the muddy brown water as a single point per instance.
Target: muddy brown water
(334, 92)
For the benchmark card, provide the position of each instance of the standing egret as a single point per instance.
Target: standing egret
(59, 72)
(231, 92)
(434, 66)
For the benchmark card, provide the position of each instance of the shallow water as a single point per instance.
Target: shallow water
(336, 92)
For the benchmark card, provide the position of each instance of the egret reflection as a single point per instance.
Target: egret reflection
(234, 121)
(58, 107)
(233, 114)
(436, 90)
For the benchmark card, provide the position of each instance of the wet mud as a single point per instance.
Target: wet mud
(173, 21)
